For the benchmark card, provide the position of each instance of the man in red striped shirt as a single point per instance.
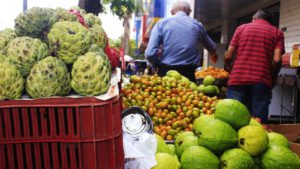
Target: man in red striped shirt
(258, 47)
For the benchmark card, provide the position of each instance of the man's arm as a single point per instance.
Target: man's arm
(153, 47)
(276, 64)
(228, 57)
(208, 44)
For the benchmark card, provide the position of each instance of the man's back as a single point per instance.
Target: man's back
(180, 36)
(255, 43)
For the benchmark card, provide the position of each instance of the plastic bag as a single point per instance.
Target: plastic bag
(139, 153)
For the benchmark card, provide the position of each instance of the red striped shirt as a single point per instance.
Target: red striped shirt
(255, 43)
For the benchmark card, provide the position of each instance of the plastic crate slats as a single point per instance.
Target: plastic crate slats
(21, 122)
(61, 134)
(45, 155)
(24, 112)
(19, 155)
(16, 123)
(89, 156)
(3, 158)
(87, 122)
(119, 148)
(117, 117)
(76, 120)
(2, 125)
(43, 119)
(70, 120)
(104, 128)
(11, 159)
(72, 159)
(54, 155)
(63, 158)
(7, 125)
(28, 156)
(33, 123)
(52, 122)
(37, 155)
(61, 123)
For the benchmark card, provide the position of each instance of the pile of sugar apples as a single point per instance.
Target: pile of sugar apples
(51, 52)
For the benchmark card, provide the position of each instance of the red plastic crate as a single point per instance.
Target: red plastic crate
(61, 133)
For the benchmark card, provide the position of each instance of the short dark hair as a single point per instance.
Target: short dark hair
(263, 14)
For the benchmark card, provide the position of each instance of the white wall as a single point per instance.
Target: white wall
(289, 19)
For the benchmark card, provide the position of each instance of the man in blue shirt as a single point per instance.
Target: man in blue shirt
(174, 42)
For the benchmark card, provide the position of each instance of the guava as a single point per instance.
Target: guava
(166, 161)
(172, 150)
(254, 122)
(279, 157)
(210, 90)
(208, 80)
(201, 88)
(174, 74)
(236, 158)
(233, 112)
(161, 145)
(278, 139)
(198, 157)
(253, 139)
(215, 134)
(186, 142)
(193, 86)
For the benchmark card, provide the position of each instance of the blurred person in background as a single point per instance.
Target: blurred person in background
(174, 42)
(258, 47)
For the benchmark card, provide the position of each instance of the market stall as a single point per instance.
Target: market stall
(60, 102)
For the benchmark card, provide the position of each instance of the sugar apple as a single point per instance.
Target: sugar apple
(99, 36)
(25, 51)
(68, 40)
(49, 77)
(91, 20)
(91, 74)
(98, 49)
(65, 15)
(6, 36)
(11, 81)
(2, 57)
(77, 8)
(35, 22)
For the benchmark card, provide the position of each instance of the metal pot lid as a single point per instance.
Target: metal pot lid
(135, 122)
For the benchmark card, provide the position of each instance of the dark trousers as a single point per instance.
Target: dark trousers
(185, 70)
(256, 97)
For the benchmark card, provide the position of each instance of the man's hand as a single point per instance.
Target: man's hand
(214, 57)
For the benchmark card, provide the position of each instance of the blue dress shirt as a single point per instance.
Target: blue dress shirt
(179, 36)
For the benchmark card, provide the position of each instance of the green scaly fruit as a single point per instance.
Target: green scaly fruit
(99, 36)
(68, 40)
(11, 81)
(49, 77)
(77, 8)
(6, 36)
(98, 49)
(91, 20)
(91, 74)
(24, 52)
(35, 22)
(65, 15)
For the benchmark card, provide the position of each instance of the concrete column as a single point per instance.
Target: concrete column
(227, 30)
